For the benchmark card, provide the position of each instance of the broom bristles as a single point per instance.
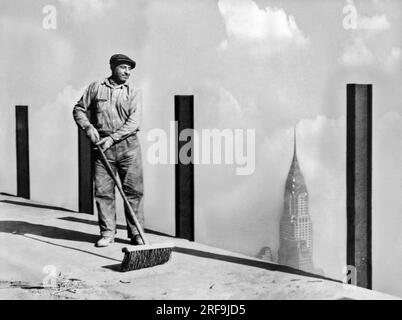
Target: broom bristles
(145, 258)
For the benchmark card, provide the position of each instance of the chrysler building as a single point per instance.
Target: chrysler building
(296, 234)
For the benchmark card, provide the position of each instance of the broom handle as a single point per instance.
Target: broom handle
(136, 222)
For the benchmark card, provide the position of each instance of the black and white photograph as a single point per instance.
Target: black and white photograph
(200, 150)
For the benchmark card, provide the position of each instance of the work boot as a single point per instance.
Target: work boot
(136, 240)
(104, 241)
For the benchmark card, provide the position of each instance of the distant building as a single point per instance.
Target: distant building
(296, 234)
(265, 254)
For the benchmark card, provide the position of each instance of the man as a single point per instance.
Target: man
(115, 109)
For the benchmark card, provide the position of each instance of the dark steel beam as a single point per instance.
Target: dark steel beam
(85, 173)
(22, 144)
(359, 182)
(184, 115)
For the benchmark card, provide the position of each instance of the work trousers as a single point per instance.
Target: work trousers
(125, 158)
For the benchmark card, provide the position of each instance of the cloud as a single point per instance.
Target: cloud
(229, 108)
(264, 31)
(393, 61)
(54, 179)
(48, 64)
(357, 54)
(83, 10)
(371, 25)
(375, 23)
(387, 202)
(362, 48)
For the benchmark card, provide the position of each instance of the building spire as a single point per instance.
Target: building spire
(295, 180)
(294, 142)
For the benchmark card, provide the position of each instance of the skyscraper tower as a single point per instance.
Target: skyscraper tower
(296, 234)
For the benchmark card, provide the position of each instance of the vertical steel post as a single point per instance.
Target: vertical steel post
(22, 144)
(184, 115)
(85, 172)
(359, 182)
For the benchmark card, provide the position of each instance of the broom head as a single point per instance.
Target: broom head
(145, 256)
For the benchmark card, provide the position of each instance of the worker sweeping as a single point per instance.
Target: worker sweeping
(115, 107)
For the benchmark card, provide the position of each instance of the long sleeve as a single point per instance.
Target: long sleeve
(81, 107)
(134, 120)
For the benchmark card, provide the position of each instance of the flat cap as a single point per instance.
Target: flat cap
(117, 59)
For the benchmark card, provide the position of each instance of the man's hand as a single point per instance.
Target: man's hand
(93, 134)
(105, 143)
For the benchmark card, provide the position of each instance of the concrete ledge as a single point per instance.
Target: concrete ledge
(38, 239)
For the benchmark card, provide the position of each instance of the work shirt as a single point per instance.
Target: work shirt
(115, 111)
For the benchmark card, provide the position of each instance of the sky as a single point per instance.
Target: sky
(263, 65)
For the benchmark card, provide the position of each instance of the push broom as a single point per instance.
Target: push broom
(141, 256)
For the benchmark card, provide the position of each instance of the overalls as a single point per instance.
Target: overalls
(125, 159)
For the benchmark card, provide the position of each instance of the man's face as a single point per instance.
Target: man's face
(121, 72)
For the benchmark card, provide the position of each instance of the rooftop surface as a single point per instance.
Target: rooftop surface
(43, 244)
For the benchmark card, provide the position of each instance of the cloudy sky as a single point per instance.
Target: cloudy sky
(267, 65)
